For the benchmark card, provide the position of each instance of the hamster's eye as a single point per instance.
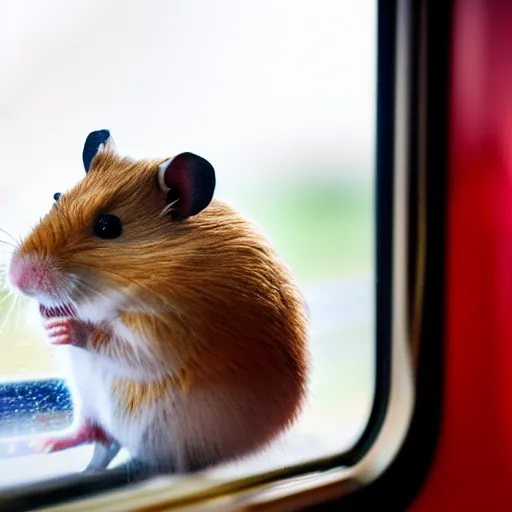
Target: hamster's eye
(56, 196)
(108, 226)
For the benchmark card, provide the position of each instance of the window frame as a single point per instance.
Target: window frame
(404, 420)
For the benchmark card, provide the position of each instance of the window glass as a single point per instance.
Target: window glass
(280, 95)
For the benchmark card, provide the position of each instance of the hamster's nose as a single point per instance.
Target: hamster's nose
(31, 275)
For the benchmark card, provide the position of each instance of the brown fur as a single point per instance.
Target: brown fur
(135, 396)
(230, 317)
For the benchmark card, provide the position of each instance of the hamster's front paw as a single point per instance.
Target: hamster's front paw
(66, 331)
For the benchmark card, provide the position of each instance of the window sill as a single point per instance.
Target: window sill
(35, 467)
(37, 474)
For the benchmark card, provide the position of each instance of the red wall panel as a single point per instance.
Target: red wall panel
(472, 469)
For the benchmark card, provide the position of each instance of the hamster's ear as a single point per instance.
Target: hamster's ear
(189, 182)
(96, 142)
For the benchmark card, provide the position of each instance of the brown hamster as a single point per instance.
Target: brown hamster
(187, 336)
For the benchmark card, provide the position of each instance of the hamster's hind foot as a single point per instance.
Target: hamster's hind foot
(88, 433)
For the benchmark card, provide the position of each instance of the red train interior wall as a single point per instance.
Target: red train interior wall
(472, 469)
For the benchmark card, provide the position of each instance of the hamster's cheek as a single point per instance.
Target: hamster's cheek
(103, 308)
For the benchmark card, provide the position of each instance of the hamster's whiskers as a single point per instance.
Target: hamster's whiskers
(7, 296)
(8, 244)
(19, 302)
(15, 298)
(61, 300)
(16, 242)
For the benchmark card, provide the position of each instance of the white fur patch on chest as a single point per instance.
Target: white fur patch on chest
(92, 384)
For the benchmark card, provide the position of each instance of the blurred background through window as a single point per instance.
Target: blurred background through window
(279, 95)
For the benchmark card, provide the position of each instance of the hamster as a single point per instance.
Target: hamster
(186, 334)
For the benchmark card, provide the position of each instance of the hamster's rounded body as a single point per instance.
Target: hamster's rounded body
(187, 338)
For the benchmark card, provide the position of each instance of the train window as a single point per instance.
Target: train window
(282, 96)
